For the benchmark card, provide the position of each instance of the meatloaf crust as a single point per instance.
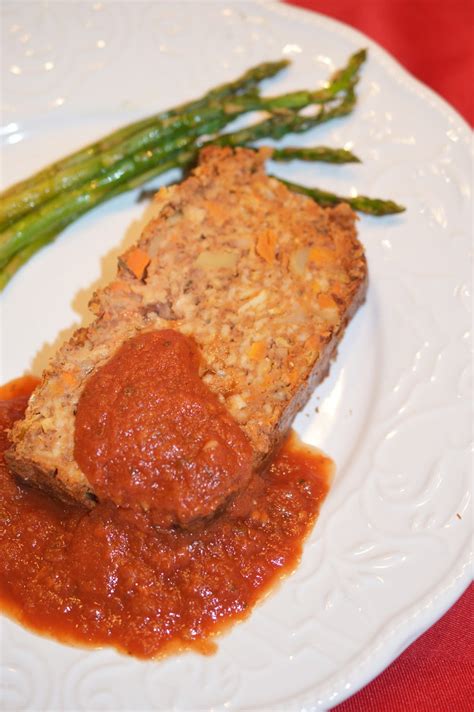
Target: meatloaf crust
(263, 279)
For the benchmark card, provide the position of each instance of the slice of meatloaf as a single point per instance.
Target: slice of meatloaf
(263, 279)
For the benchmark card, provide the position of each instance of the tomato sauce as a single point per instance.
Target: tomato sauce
(108, 576)
(150, 434)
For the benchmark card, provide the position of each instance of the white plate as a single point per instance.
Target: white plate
(390, 552)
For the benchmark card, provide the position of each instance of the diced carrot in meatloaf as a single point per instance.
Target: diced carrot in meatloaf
(247, 268)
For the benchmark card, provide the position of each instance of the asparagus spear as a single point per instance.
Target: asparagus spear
(314, 153)
(275, 127)
(342, 78)
(66, 207)
(340, 81)
(18, 260)
(285, 122)
(83, 165)
(371, 206)
(210, 119)
(155, 162)
(247, 82)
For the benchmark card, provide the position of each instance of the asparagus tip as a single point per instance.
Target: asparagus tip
(376, 206)
(361, 55)
(395, 207)
(352, 158)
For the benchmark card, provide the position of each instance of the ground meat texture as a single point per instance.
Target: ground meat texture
(150, 434)
(262, 279)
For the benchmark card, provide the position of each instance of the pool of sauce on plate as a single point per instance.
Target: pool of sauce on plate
(107, 577)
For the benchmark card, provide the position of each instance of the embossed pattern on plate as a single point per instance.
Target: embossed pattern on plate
(390, 551)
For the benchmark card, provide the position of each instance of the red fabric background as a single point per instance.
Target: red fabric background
(435, 674)
(434, 40)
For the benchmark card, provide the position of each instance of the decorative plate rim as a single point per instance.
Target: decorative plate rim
(403, 628)
(388, 645)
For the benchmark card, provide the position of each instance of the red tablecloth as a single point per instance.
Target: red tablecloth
(434, 40)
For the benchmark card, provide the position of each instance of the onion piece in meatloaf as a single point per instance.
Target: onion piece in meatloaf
(263, 279)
